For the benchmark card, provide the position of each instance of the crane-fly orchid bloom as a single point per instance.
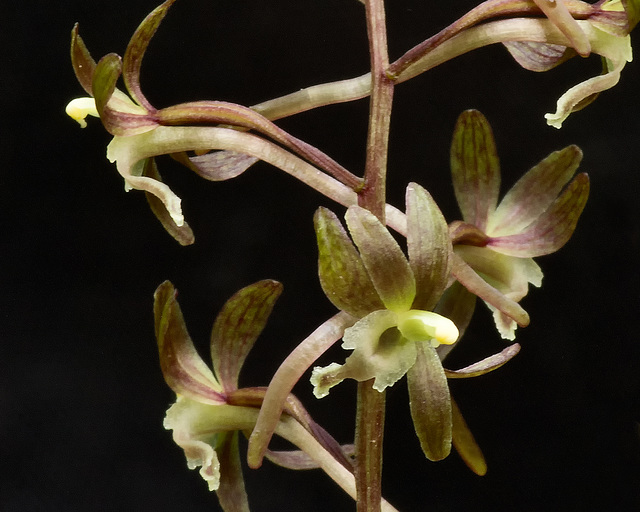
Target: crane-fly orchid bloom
(397, 332)
(536, 217)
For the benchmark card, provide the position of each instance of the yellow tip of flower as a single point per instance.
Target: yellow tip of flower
(419, 325)
(80, 108)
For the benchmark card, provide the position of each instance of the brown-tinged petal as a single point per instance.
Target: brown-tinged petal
(238, 326)
(552, 229)
(430, 403)
(478, 286)
(183, 369)
(538, 56)
(343, 276)
(385, 262)
(299, 460)
(82, 62)
(534, 193)
(457, 304)
(488, 364)
(217, 165)
(136, 49)
(465, 444)
(231, 492)
(119, 115)
(475, 168)
(429, 247)
(183, 234)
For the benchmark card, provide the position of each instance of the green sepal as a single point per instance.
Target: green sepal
(428, 245)
(343, 276)
(385, 262)
(237, 327)
(430, 403)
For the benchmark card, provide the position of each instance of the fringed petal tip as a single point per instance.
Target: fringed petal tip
(323, 379)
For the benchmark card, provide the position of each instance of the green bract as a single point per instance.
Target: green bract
(536, 217)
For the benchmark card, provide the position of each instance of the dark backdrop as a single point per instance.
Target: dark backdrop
(81, 395)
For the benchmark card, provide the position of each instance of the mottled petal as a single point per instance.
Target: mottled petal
(385, 262)
(430, 403)
(136, 49)
(538, 56)
(343, 277)
(475, 168)
(183, 418)
(465, 444)
(428, 245)
(183, 369)
(488, 364)
(183, 234)
(552, 229)
(217, 165)
(380, 352)
(238, 325)
(231, 491)
(532, 194)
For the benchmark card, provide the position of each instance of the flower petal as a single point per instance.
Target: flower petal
(488, 364)
(238, 325)
(385, 262)
(343, 277)
(558, 13)
(430, 403)
(458, 305)
(183, 369)
(217, 165)
(231, 491)
(552, 229)
(136, 49)
(465, 444)
(534, 192)
(83, 64)
(183, 234)
(475, 168)
(428, 245)
(538, 56)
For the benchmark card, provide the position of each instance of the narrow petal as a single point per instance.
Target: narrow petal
(83, 64)
(465, 444)
(237, 327)
(231, 491)
(299, 460)
(534, 193)
(136, 49)
(552, 229)
(183, 369)
(488, 364)
(428, 245)
(182, 234)
(458, 305)
(475, 168)
(343, 277)
(430, 403)
(385, 262)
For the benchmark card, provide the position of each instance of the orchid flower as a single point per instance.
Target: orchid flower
(397, 332)
(536, 217)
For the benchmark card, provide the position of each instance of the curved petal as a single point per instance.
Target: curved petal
(538, 56)
(430, 403)
(231, 491)
(136, 49)
(465, 444)
(343, 277)
(385, 262)
(458, 305)
(488, 364)
(183, 369)
(237, 327)
(428, 245)
(552, 229)
(475, 168)
(83, 64)
(532, 194)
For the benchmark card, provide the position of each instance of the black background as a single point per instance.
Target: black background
(81, 395)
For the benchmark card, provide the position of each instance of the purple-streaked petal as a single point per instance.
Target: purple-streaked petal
(183, 234)
(475, 168)
(538, 56)
(558, 13)
(231, 491)
(534, 193)
(183, 369)
(430, 403)
(217, 165)
(385, 262)
(465, 444)
(135, 52)
(343, 277)
(83, 64)
(552, 229)
(429, 247)
(237, 327)
(299, 460)
(488, 364)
